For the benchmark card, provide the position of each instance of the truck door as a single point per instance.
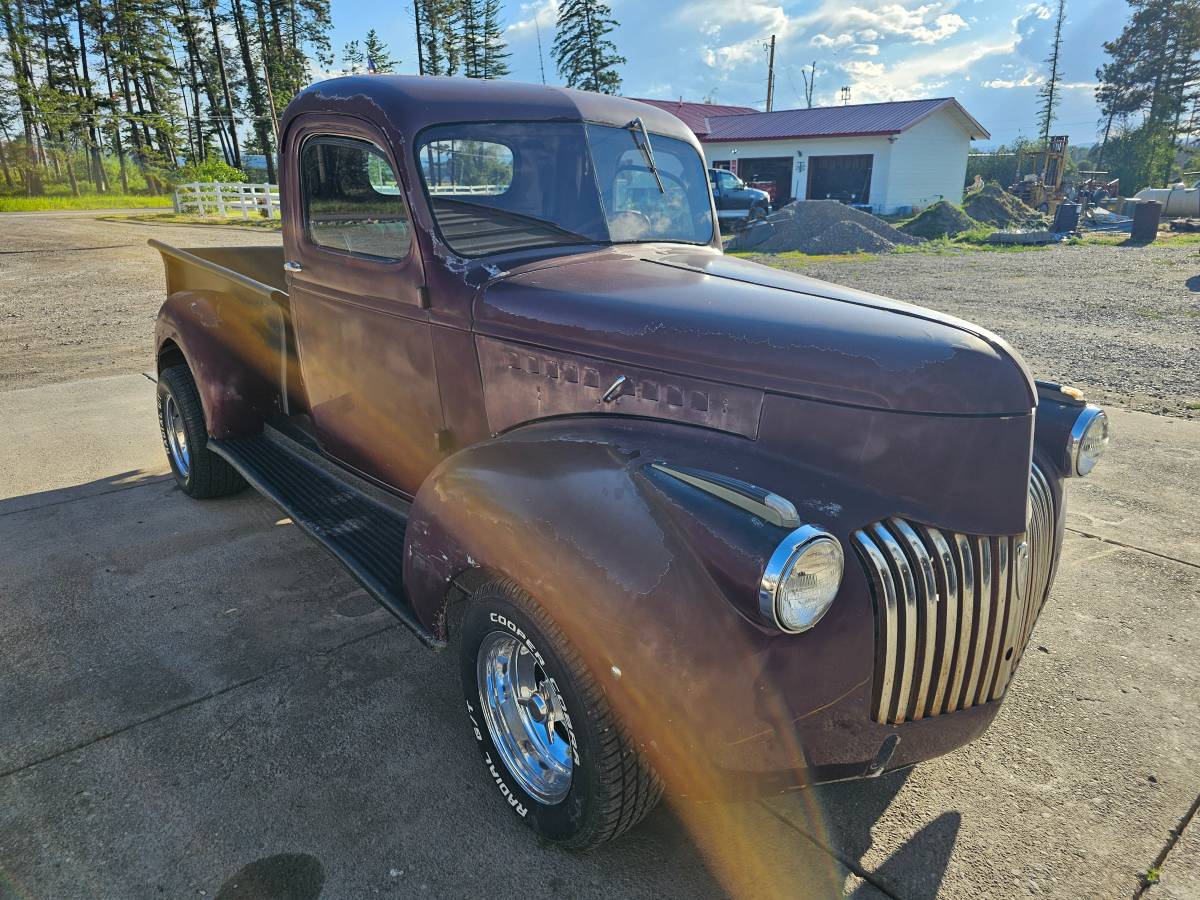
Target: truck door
(355, 283)
(733, 200)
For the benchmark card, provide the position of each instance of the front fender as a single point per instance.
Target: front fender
(654, 581)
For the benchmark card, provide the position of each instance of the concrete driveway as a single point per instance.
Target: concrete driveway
(195, 700)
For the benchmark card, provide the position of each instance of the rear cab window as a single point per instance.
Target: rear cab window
(352, 200)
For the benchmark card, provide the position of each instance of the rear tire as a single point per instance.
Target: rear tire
(198, 471)
(559, 757)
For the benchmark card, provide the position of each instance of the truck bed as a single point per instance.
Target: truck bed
(231, 305)
(195, 268)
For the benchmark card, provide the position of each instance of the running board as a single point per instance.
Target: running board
(361, 525)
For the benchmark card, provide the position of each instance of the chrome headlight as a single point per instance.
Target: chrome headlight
(1089, 437)
(801, 579)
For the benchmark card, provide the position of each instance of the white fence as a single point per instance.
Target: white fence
(467, 188)
(216, 198)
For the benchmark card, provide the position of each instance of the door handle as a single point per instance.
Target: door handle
(290, 266)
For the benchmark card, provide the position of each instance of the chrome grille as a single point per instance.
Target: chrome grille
(953, 612)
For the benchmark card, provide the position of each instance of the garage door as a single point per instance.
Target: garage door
(772, 174)
(844, 178)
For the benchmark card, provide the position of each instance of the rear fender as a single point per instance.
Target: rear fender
(232, 347)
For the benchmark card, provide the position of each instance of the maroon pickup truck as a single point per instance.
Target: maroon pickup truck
(690, 522)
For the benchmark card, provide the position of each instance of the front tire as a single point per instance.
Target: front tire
(198, 471)
(547, 735)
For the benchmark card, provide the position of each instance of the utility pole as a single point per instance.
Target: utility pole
(771, 76)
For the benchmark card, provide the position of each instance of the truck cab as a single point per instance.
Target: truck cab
(690, 523)
(737, 202)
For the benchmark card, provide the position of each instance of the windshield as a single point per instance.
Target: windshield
(500, 186)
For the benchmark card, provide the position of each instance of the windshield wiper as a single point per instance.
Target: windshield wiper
(647, 151)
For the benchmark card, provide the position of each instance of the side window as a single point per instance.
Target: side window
(352, 199)
(728, 182)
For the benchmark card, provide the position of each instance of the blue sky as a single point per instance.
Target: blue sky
(987, 54)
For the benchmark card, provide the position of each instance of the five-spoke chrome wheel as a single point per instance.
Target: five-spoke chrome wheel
(177, 442)
(525, 716)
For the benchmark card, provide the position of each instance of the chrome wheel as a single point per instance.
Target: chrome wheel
(525, 717)
(177, 443)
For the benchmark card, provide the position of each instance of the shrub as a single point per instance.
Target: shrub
(212, 169)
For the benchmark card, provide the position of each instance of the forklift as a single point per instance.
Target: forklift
(1040, 176)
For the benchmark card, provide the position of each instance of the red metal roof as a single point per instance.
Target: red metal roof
(695, 115)
(715, 123)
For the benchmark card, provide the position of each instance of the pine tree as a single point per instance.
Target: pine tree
(495, 50)
(378, 56)
(352, 58)
(586, 57)
(439, 32)
(146, 82)
(470, 24)
(1149, 86)
(1049, 91)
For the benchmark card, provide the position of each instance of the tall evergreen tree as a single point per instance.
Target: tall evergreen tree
(378, 56)
(1149, 85)
(471, 37)
(1049, 91)
(439, 30)
(586, 57)
(495, 50)
(352, 58)
(148, 82)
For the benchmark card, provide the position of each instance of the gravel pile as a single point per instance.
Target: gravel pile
(993, 205)
(943, 219)
(820, 226)
(850, 237)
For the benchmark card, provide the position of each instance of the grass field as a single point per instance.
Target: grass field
(87, 201)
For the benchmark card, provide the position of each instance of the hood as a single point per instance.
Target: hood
(696, 312)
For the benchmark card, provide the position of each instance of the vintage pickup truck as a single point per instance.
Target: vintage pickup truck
(690, 522)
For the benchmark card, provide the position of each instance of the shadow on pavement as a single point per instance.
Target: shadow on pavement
(106, 485)
(850, 811)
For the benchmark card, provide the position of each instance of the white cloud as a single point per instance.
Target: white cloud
(540, 14)
(917, 76)
(865, 49)
(1029, 79)
(823, 40)
(736, 31)
(871, 21)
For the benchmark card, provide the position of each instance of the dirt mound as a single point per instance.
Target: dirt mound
(820, 226)
(943, 219)
(995, 206)
(850, 237)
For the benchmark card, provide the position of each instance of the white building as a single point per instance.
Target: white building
(890, 157)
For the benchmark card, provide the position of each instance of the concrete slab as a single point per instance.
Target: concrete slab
(1146, 490)
(80, 437)
(197, 697)
(1179, 874)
